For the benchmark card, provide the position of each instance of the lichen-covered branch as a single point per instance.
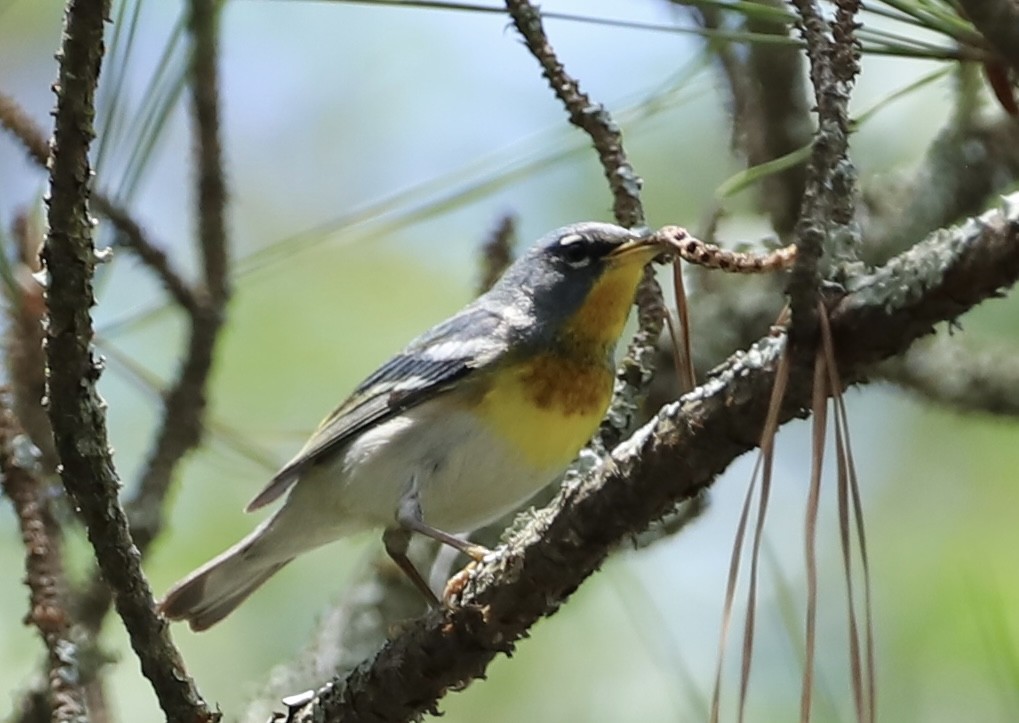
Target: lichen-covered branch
(76, 411)
(965, 165)
(673, 457)
(827, 211)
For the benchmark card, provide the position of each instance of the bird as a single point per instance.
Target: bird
(465, 424)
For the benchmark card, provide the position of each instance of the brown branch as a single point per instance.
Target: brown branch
(676, 455)
(76, 410)
(587, 115)
(132, 237)
(19, 466)
(828, 207)
(203, 24)
(23, 353)
(17, 122)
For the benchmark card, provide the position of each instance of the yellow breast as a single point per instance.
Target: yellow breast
(547, 408)
(550, 406)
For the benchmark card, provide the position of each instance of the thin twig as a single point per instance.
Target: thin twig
(674, 456)
(133, 237)
(19, 466)
(76, 410)
(584, 113)
(203, 24)
(710, 256)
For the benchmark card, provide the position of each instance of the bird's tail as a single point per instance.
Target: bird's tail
(214, 590)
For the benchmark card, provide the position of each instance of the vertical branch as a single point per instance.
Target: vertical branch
(75, 408)
(23, 352)
(829, 196)
(587, 115)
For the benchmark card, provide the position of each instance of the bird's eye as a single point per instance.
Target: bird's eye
(574, 252)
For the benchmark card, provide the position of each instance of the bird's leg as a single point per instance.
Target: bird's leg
(409, 516)
(396, 541)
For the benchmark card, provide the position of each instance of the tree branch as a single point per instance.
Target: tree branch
(828, 206)
(75, 408)
(968, 162)
(672, 458)
(587, 115)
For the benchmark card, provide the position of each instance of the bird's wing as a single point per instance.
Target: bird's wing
(431, 364)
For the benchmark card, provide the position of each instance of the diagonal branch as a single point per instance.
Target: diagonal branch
(584, 113)
(75, 408)
(672, 458)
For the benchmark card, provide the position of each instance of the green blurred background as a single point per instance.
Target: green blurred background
(337, 116)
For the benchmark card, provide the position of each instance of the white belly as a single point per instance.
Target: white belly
(464, 476)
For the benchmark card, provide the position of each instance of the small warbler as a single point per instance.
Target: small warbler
(465, 424)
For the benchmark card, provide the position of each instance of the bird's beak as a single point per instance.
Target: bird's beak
(641, 247)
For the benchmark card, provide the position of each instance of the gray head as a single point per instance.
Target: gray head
(554, 277)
